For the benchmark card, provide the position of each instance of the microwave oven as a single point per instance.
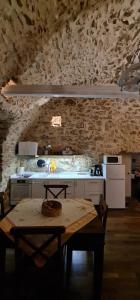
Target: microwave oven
(112, 159)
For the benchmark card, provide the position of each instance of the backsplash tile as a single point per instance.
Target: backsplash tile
(63, 163)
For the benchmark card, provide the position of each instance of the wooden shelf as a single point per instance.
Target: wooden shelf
(92, 92)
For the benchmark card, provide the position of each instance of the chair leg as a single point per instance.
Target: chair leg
(68, 264)
(17, 261)
(2, 256)
(2, 266)
(61, 278)
(2, 261)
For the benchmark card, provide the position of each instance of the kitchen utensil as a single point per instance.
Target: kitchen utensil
(41, 163)
(20, 170)
(98, 170)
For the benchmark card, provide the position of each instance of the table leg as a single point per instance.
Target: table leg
(98, 270)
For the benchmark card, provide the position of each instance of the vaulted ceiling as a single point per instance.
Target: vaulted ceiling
(55, 36)
(83, 42)
(65, 42)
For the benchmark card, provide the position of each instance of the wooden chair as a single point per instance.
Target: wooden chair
(4, 203)
(2, 197)
(55, 190)
(5, 243)
(53, 270)
(88, 239)
(22, 234)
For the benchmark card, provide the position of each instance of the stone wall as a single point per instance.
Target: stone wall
(65, 41)
(27, 25)
(5, 122)
(89, 127)
(9, 160)
(68, 42)
(90, 48)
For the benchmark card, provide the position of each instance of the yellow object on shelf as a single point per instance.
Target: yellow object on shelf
(52, 166)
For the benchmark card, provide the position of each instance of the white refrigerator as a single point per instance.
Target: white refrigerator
(115, 185)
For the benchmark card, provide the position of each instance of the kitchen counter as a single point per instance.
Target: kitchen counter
(80, 184)
(60, 175)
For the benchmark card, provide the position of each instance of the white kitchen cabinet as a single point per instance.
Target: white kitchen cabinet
(88, 189)
(79, 190)
(38, 190)
(19, 189)
(93, 190)
(27, 148)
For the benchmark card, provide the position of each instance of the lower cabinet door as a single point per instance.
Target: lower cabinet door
(95, 186)
(79, 188)
(95, 198)
(19, 191)
(38, 190)
(93, 190)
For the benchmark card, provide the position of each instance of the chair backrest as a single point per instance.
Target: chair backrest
(55, 190)
(23, 233)
(102, 211)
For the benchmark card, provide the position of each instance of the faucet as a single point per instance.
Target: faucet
(73, 161)
(48, 167)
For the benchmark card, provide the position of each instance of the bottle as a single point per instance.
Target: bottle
(52, 166)
(92, 171)
(48, 150)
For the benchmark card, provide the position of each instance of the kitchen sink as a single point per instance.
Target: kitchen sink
(83, 173)
(27, 175)
(39, 175)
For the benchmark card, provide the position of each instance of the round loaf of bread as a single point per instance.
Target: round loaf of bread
(51, 208)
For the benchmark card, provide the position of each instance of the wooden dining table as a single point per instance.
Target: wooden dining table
(79, 217)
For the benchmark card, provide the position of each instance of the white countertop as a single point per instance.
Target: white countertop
(60, 175)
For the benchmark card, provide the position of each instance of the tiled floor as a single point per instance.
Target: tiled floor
(121, 265)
